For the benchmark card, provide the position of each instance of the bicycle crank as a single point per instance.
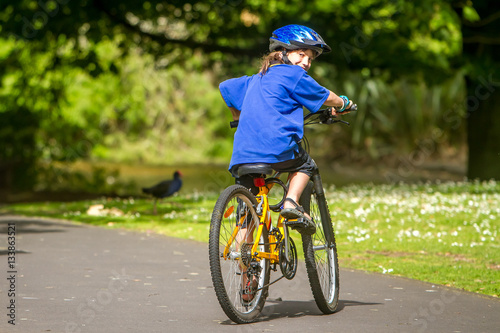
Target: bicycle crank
(288, 263)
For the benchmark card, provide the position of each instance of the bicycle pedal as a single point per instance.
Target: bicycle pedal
(301, 225)
(295, 222)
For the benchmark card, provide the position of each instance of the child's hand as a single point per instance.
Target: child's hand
(349, 108)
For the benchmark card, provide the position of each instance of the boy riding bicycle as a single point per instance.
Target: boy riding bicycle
(269, 107)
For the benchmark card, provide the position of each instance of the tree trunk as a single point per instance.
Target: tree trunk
(481, 50)
(483, 132)
(18, 151)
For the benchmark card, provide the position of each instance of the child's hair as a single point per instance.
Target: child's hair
(270, 59)
(273, 58)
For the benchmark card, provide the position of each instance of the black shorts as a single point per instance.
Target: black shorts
(301, 163)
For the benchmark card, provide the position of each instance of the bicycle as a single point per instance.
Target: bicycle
(245, 245)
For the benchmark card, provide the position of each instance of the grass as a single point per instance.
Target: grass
(441, 233)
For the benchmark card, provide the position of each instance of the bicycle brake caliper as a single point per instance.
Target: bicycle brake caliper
(259, 208)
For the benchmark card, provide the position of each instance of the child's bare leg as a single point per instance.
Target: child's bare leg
(298, 182)
(243, 235)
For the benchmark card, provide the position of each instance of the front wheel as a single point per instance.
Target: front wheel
(240, 280)
(320, 252)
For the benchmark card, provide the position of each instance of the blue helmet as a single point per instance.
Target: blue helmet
(294, 36)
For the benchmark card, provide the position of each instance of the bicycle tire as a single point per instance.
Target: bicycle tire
(227, 277)
(320, 252)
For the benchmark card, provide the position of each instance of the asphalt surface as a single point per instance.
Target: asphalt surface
(77, 278)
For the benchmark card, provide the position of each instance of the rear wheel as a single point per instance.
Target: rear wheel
(320, 252)
(240, 281)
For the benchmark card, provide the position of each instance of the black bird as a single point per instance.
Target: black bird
(165, 188)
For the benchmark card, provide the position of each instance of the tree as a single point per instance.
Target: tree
(481, 49)
(49, 41)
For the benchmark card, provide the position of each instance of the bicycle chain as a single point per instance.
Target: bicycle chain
(267, 285)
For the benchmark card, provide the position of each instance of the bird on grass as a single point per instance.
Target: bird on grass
(165, 188)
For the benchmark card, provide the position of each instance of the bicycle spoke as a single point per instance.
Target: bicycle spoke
(320, 254)
(233, 230)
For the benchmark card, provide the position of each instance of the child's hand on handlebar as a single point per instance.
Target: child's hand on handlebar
(349, 108)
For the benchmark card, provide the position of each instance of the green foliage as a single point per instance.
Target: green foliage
(180, 117)
(116, 108)
(394, 117)
(470, 14)
(149, 92)
(359, 31)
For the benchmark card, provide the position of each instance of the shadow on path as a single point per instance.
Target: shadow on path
(33, 225)
(277, 309)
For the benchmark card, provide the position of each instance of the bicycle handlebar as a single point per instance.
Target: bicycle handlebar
(324, 116)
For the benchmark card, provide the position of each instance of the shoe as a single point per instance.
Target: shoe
(297, 220)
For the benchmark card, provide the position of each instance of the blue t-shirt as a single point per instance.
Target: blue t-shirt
(272, 119)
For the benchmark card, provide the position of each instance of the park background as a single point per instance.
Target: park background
(102, 98)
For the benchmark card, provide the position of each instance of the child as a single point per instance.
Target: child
(269, 108)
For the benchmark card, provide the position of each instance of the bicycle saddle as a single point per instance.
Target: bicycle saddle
(255, 168)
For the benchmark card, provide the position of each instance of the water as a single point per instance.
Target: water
(195, 178)
(212, 177)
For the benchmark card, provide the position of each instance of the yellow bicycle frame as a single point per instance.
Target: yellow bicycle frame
(265, 222)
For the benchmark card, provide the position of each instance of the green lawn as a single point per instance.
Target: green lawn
(442, 233)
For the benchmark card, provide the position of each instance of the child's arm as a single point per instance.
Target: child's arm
(233, 93)
(336, 102)
(235, 112)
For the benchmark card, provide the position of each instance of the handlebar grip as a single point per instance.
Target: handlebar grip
(353, 107)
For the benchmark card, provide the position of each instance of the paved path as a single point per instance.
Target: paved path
(78, 278)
